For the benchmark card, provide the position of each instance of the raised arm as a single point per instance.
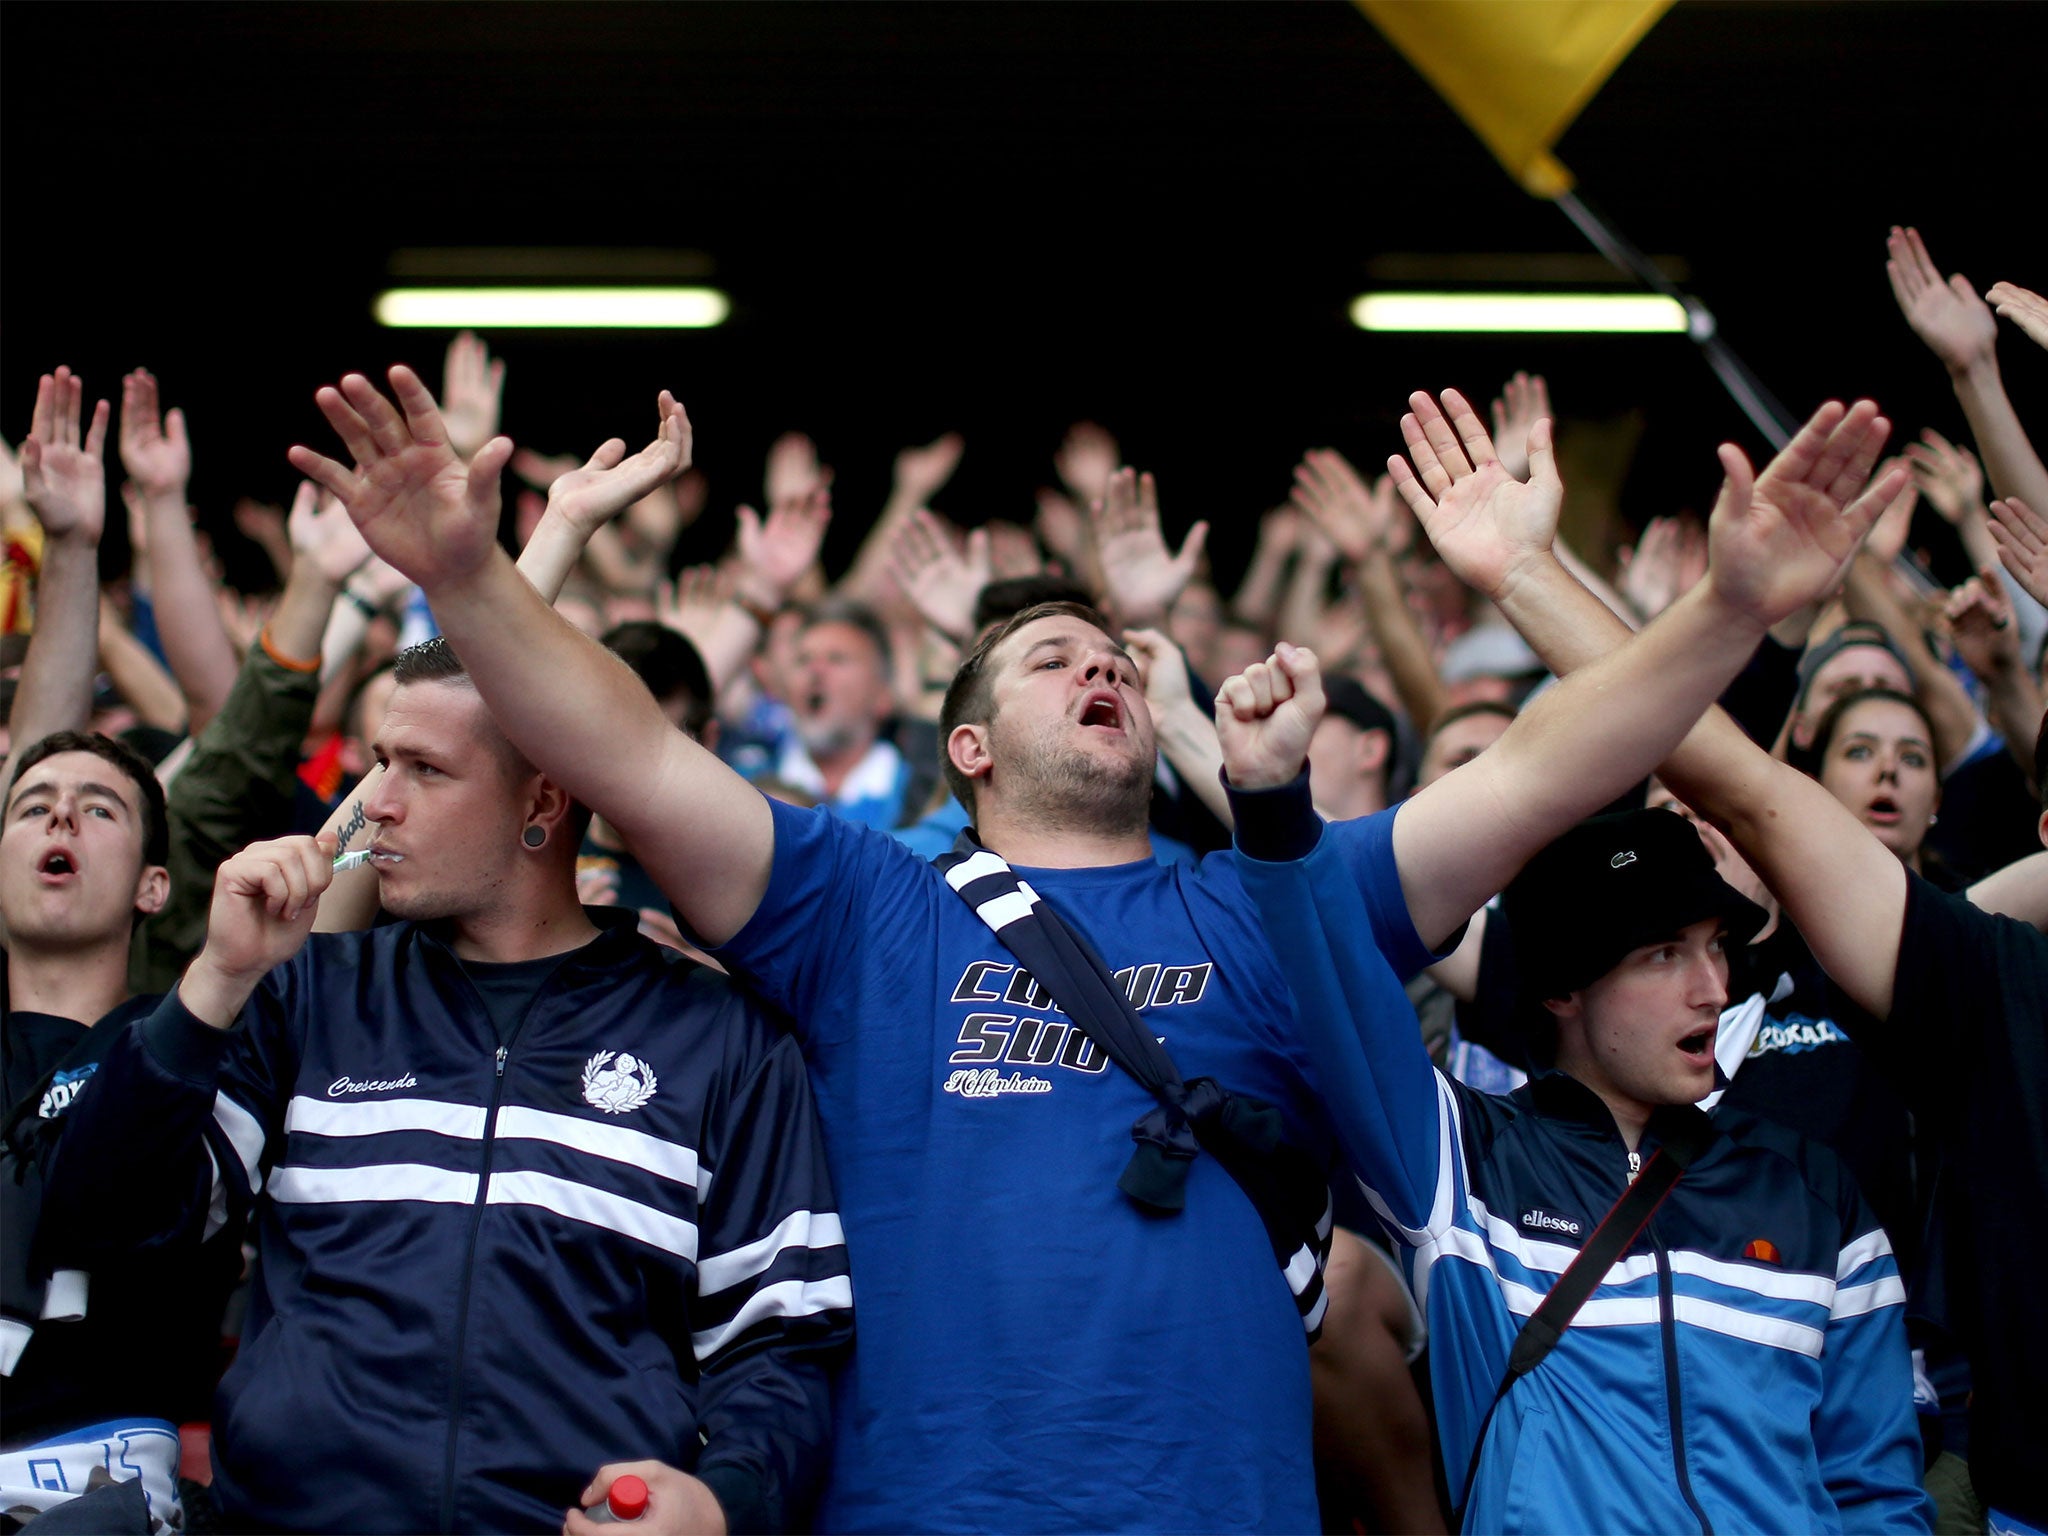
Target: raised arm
(1607, 726)
(1843, 888)
(157, 456)
(576, 711)
(1960, 329)
(1141, 575)
(1187, 736)
(64, 477)
(583, 500)
(1360, 521)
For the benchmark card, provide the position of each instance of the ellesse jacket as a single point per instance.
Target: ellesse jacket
(1742, 1367)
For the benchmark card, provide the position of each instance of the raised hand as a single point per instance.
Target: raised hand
(1947, 475)
(155, 452)
(589, 497)
(1142, 576)
(2025, 309)
(941, 574)
(776, 552)
(63, 478)
(1779, 540)
(1666, 563)
(1957, 326)
(2021, 535)
(10, 476)
(1524, 400)
(1334, 497)
(1266, 715)
(1087, 457)
(1162, 668)
(922, 472)
(694, 601)
(419, 506)
(322, 533)
(1886, 540)
(1486, 524)
(1980, 624)
(472, 392)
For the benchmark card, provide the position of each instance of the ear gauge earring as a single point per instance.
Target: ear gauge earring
(533, 837)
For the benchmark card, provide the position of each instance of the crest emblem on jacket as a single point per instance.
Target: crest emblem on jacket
(616, 1082)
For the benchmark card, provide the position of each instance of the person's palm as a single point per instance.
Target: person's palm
(1953, 321)
(1778, 542)
(921, 472)
(1957, 326)
(613, 480)
(67, 491)
(1490, 521)
(64, 476)
(781, 548)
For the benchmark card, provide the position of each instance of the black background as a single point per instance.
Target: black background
(995, 218)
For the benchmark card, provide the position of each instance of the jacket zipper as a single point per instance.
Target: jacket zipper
(1667, 1326)
(476, 1221)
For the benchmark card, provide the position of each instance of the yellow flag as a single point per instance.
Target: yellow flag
(1517, 71)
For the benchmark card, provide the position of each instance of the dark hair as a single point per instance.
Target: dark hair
(431, 661)
(149, 794)
(999, 599)
(669, 664)
(1830, 722)
(970, 698)
(435, 661)
(1465, 712)
(854, 616)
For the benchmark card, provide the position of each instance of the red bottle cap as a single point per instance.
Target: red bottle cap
(627, 1498)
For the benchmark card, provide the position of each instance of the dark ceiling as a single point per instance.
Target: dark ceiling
(990, 217)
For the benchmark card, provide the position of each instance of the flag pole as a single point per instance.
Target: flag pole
(1743, 386)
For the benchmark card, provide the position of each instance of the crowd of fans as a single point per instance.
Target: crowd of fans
(691, 1033)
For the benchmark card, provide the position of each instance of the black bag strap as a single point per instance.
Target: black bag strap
(1285, 1185)
(1687, 1132)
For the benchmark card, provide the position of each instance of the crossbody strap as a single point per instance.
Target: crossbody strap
(1617, 1232)
(1285, 1185)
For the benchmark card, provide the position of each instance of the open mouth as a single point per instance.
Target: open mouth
(1104, 710)
(1884, 811)
(1698, 1047)
(57, 863)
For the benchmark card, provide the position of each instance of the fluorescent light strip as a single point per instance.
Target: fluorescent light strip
(581, 309)
(1586, 313)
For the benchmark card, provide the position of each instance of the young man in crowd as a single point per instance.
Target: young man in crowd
(1354, 752)
(126, 1350)
(1956, 995)
(530, 1194)
(960, 1108)
(1765, 1282)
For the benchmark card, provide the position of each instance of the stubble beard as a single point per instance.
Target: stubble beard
(1059, 786)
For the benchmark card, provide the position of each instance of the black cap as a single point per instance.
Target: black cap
(1349, 700)
(1611, 885)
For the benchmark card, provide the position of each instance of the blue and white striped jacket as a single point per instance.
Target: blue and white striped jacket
(485, 1270)
(1743, 1367)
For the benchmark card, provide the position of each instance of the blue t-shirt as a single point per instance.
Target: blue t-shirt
(1035, 1354)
